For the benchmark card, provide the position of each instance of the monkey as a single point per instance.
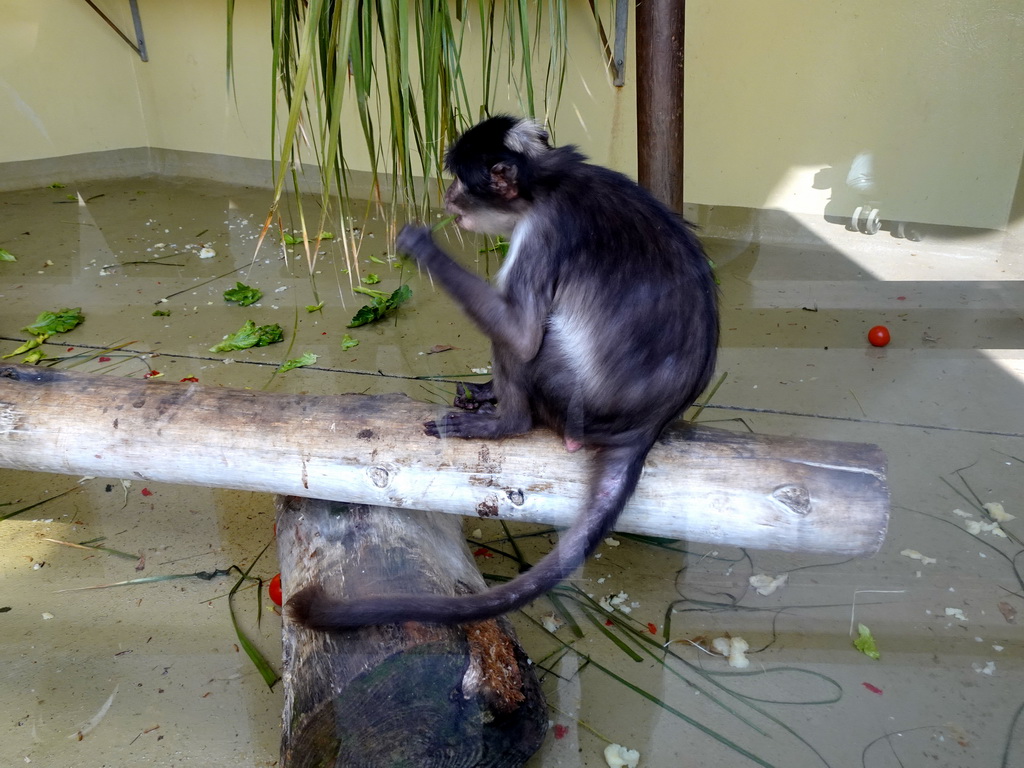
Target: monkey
(603, 324)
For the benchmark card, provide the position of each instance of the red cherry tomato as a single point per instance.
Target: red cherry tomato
(274, 589)
(878, 336)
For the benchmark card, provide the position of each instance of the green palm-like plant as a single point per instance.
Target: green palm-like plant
(401, 60)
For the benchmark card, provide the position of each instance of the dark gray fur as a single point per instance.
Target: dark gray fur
(604, 327)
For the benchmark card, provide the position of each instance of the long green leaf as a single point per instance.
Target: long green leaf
(266, 671)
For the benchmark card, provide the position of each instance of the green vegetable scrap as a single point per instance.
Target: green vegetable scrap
(307, 359)
(290, 239)
(347, 342)
(251, 335)
(382, 304)
(714, 271)
(32, 343)
(865, 643)
(47, 324)
(314, 307)
(243, 294)
(499, 246)
(55, 322)
(6, 255)
(371, 279)
(161, 313)
(442, 223)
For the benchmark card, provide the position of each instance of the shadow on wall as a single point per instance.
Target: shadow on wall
(870, 195)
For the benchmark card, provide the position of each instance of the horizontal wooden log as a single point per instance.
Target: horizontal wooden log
(699, 484)
(408, 694)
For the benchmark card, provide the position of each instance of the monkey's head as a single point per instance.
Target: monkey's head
(496, 165)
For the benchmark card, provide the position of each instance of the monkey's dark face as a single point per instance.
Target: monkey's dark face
(489, 215)
(493, 167)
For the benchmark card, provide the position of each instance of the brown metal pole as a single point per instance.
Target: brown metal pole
(660, 25)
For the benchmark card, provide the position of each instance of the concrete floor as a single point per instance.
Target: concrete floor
(153, 675)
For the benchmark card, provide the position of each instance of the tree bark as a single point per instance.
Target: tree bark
(699, 484)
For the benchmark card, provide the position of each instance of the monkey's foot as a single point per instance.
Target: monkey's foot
(470, 397)
(484, 422)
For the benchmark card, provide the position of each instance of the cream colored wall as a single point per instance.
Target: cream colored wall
(780, 96)
(183, 87)
(73, 86)
(66, 82)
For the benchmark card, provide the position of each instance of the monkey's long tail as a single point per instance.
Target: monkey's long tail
(616, 472)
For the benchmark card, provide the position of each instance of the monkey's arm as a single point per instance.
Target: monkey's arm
(517, 326)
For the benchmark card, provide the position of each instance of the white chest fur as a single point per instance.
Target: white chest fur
(519, 235)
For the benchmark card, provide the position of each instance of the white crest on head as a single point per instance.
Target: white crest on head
(528, 138)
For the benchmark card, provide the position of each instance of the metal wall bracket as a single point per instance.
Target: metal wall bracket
(621, 32)
(140, 46)
(616, 59)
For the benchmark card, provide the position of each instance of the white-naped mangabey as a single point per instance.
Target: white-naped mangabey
(604, 327)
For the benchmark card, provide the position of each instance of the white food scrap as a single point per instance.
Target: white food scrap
(611, 542)
(996, 512)
(988, 669)
(976, 527)
(551, 622)
(766, 585)
(734, 649)
(913, 554)
(618, 756)
(956, 613)
(206, 252)
(611, 602)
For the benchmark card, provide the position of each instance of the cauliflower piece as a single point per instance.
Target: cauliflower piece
(617, 756)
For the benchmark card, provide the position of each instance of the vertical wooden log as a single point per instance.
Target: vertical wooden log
(660, 30)
(409, 694)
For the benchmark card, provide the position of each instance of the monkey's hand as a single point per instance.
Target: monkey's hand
(416, 241)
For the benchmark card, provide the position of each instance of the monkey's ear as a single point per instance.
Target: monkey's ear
(505, 180)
